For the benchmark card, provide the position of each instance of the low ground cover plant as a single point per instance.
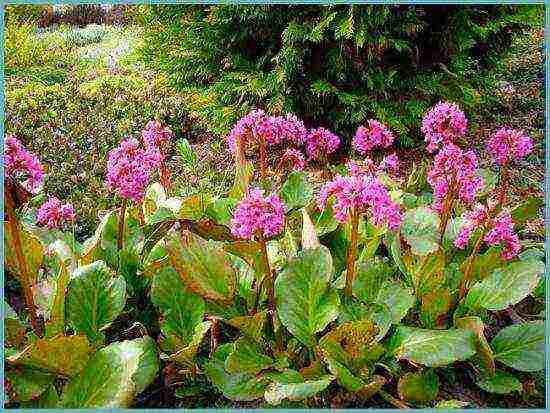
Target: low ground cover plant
(352, 281)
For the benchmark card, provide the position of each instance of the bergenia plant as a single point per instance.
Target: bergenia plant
(357, 284)
(356, 195)
(129, 170)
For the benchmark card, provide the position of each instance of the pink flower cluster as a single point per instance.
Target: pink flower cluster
(155, 136)
(129, 169)
(274, 129)
(506, 145)
(53, 213)
(243, 131)
(321, 142)
(443, 124)
(293, 129)
(501, 230)
(294, 158)
(374, 135)
(363, 193)
(257, 214)
(21, 164)
(454, 170)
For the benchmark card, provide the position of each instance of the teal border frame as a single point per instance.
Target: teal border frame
(283, 2)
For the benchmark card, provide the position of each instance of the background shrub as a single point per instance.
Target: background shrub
(335, 66)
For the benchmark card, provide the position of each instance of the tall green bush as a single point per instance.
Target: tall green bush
(335, 66)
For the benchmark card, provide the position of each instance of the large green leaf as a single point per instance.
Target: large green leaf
(247, 357)
(354, 310)
(251, 326)
(95, 298)
(26, 384)
(221, 210)
(344, 376)
(433, 348)
(500, 383)
(505, 286)
(397, 298)
(56, 324)
(420, 229)
(182, 310)
(63, 355)
(484, 350)
(418, 387)
(521, 346)
(236, 386)
(324, 220)
(186, 355)
(305, 301)
(113, 376)
(277, 392)
(296, 192)
(250, 252)
(370, 275)
(203, 265)
(33, 252)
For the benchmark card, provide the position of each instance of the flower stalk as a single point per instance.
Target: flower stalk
(269, 282)
(121, 218)
(21, 263)
(352, 252)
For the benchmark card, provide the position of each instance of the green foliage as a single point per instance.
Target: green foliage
(336, 66)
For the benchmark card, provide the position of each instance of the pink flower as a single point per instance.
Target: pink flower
(129, 169)
(321, 143)
(20, 164)
(53, 213)
(293, 129)
(270, 129)
(454, 170)
(363, 193)
(506, 145)
(294, 158)
(155, 136)
(474, 219)
(374, 135)
(443, 124)
(500, 230)
(258, 215)
(390, 163)
(243, 131)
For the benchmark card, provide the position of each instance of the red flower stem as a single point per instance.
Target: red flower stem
(24, 276)
(269, 282)
(263, 172)
(352, 252)
(469, 265)
(504, 177)
(165, 178)
(120, 235)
